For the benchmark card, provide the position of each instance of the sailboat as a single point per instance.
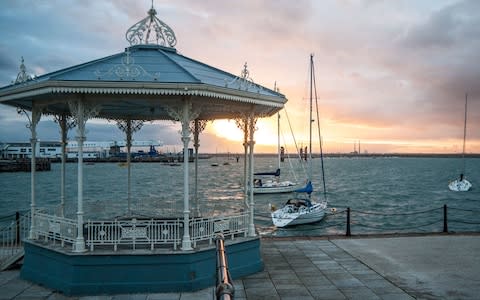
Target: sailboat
(303, 209)
(269, 182)
(215, 163)
(462, 184)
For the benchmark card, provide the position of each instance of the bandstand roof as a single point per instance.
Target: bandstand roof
(142, 82)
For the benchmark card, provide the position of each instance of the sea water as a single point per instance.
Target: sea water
(384, 194)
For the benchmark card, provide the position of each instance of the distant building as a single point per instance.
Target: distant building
(24, 150)
(49, 149)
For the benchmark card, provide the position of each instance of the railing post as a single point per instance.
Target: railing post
(348, 222)
(17, 228)
(445, 222)
(225, 289)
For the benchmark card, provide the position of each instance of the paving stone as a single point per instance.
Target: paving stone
(327, 294)
(360, 293)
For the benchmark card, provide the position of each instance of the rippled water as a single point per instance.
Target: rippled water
(384, 194)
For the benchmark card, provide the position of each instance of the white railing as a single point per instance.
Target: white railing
(206, 229)
(133, 233)
(55, 228)
(12, 235)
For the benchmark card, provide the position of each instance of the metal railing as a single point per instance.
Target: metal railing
(133, 233)
(225, 289)
(11, 237)
(206, 229)
(55, 229)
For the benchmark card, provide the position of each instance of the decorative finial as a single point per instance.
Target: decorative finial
(244, 82)
(22, 75)
(141, 32)
(245, 72)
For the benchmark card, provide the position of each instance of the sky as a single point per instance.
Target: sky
(390, 75)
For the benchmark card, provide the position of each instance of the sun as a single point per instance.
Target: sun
(265, 133)
(227, 129)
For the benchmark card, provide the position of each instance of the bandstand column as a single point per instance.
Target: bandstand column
(32, 125)
(65, 124)
(81, 114)
(186, 241)
(129, 126)
(242, 123)
(129, 168)
(198, 126)
(251, 143)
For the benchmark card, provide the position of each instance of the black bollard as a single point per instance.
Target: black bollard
(348, 222)
(445, 222)
(17, 227)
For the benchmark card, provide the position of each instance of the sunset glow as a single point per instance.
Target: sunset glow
(391, 75)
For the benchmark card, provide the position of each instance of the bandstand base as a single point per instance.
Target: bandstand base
(135, 271)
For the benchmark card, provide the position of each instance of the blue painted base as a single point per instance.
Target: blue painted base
(116, 273)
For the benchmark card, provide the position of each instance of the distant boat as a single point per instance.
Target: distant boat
(462, 184)
(301, 209)
(215, 164)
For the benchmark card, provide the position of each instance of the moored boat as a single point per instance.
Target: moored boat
(303, 208)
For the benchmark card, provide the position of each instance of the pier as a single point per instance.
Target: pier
(430, 266)
(24, 165)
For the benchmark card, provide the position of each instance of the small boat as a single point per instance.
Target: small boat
(302, 209)
(269, 182)
(299, 210)
(271, 186)
(462, 184)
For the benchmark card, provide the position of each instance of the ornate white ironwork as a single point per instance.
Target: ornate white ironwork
(135, 125)
(141, 32)
(176, 113)
(127, 69)
(23, 76)
(206, 229)
(81, 113)
(243, 123)
(244, 82)
(55, 228)
(33, 120)
(133, 233)
(201, 124)
(64, 120)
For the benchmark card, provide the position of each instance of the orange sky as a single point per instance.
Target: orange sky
(390, 74)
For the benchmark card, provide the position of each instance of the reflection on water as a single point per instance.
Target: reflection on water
(368, 186)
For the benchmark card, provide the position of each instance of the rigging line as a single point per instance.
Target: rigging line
(319, 134)
(292, 171)
(294, 141)
(464, 134)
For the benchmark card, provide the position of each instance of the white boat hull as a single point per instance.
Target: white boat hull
(289, 215)
(276, 187)
(459, 185)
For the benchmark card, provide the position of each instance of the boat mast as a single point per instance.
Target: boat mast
(464, 134)
(278, 139)
(311, 120)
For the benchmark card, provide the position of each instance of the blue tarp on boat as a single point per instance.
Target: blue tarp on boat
(307, 189)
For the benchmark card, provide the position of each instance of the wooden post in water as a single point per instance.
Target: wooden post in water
(348, 222)
(445, 222)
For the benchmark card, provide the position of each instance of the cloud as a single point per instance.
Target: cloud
(384, 70)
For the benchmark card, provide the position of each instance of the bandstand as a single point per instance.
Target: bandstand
(148, 81)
